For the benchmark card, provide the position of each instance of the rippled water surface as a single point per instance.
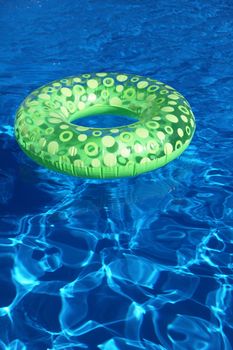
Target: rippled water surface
(135, 263)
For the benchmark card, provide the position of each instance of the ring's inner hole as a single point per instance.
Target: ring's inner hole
(104, 118)
(104, 121)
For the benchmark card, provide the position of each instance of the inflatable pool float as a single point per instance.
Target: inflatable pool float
(45, 130)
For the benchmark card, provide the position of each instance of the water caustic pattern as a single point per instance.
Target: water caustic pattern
(45, 131)
(86, 272)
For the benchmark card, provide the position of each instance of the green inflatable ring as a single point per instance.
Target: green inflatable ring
(45, 132)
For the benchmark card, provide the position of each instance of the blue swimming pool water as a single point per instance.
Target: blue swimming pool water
(136, 263)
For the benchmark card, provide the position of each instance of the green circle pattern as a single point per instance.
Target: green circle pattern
(45, 130)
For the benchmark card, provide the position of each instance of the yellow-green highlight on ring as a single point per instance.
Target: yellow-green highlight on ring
(164, 128)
